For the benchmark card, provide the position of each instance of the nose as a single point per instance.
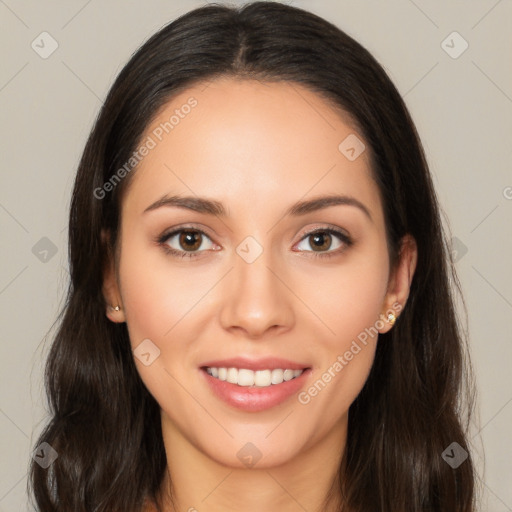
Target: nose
(256, 298)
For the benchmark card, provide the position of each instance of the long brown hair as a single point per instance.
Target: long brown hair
(105, 425)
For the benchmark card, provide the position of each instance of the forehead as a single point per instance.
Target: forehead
(245, 140)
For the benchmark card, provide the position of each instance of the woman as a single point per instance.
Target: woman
(259, 315)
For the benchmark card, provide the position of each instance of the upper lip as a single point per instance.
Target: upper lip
(264, 363)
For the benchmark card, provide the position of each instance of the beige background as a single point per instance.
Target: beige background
(462, 107)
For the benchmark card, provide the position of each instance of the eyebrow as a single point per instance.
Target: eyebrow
(212, 207)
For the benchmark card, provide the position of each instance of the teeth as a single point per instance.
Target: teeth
(259, 378)
(232, 376)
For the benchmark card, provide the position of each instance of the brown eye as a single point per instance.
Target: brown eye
(190, 240)
(185, 242)
(321, 242)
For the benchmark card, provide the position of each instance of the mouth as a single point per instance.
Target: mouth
(250, 378)
(255, 386)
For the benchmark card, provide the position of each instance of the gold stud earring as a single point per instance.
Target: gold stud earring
(391, 318)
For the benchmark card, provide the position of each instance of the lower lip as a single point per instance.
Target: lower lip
(255, 399)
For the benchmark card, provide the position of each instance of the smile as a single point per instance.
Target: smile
(247, 378)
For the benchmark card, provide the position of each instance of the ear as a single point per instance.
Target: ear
(110, 286)
(400, 282)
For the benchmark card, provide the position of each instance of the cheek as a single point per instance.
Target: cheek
(348, 298)
(162, 302)
(168, 303)
(349, 302)
(157, 295)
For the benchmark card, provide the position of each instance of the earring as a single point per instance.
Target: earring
(391, 318)
(116, 308)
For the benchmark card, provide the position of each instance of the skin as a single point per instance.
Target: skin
(257, 148)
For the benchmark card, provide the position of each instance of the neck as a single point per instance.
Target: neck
(197, 482)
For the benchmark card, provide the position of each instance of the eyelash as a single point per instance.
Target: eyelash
(345, 239)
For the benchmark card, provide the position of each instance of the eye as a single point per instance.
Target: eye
(187, 245)
(322, 239)
(190, 242)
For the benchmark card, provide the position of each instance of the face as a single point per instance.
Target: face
(259, 286)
